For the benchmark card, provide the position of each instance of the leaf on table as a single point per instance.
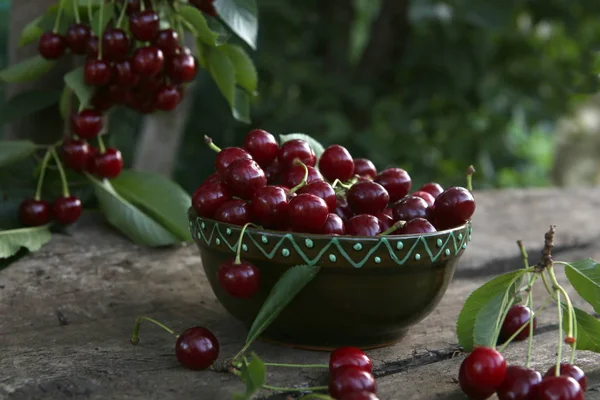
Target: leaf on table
(30, 238)
(242, 18)
(196, 19)
(15, 150)
(254, 374)
(584, 275)
(26, 103)
(27, 70)
(75, 81)
(316, 146)
(588, 329)
(284, 291)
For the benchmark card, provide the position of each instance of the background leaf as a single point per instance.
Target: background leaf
(31, 32)
(222, 70)
(75, 81)
(195, 18)
(30, 238)
(14, 150)
(26, 103)
(287, 287)
(465, 326)
(588, 330)
(245, 72)
(316, 146)
(27, 70)
(241, 16)
(584, 275)
(241, 106)
(254, 374)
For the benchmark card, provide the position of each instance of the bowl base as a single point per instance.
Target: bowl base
(328, 348)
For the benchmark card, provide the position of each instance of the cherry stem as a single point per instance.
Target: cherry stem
(44, 166)
(286, 389)
(101, 145)
(58, 17)
(524, 255)
(122, 15)
(560, 332)
(211, 144)
(316, 396)
(530, 338)
(135, 336)
(297, 365)
(304, 179)
(100, 25)
(61, 171)
(89, 11)
(529, 322)
(76, 11)
(238, 256)
(572, 331)
(397, 225)
(340, 183)
(470, 172)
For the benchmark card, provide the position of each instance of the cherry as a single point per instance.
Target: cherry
(212, 178)
(484, 370)
(333, 225)
(269, 206)
(241, 280)
(182, 68)
(273, 172)
(147, 61)
(363, 225)
(362, 395)
(167, 40)
(262, 146)
(205, 6)
(350, 379)
(108, 164)
(166, 98)
(34, 212)
(92, 46)
(385, 220)
(368, 198)
(470, 389)
(244, 177)
(52, 45)
(296, 149)
(209, 197)
(349, 356)
(75, 154)
(90, 166)
(396, 181)
(336, 163)
(558, 388)
(389, 211)
(519, 383)
(118, 94)
(410, 207)
(66, 210)
(364, 168)
(415, 226)
(101, 99)
(235, 212)
(307, 213)
(425, 196)
(569, 370)
(123, 75)
(517, 316)
(294, 175)
(323, 190)
(227, 156)
(197, 348)
(453, 208)
(77, 37)
(144, 25)
(434, 189)
(115, 44)
(342, 208)
(97, 72)
(87, 123)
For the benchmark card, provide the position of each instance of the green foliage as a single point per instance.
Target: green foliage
(74, 81)
(588, 330)
(314, 144)
(254, 374)
(484, 331)
(26, 103)
(27, 70)
(32, 239)
(584, 275)
(196, 21)
(11, 151)
(242, 17)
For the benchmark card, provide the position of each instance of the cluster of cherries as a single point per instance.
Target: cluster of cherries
(485, 372)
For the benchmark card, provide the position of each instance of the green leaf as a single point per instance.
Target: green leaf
(254, 374)
(63, 103)
(588, 329)
(130, 220)
(287, 287)
(241, 16)
(75, 81)
(160, 198)
(27, 103)
(218, 29)
(485, 323)
(32, 32)
(14, 150)
(241, 107)
(465, 326)
(101, 20)
(584, 275)
(30, 238)
(194, 17)
(316, 146)
(27, 70)
(222, 70)
(245, 71)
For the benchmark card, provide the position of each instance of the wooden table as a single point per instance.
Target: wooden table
(67, 312)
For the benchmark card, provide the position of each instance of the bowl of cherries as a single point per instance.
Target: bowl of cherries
(386, 253)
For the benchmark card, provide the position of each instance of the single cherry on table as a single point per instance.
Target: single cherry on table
(350, 379)
(197, 348)
(517, 316)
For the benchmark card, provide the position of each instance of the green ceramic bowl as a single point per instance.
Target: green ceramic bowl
(368, 292)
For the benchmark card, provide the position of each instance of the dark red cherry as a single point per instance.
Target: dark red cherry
(262, 146)
(368, 198)
(118, 94)
(389, 211)
(453, 208)
(132, 5)
(147, 61)
(416, 226)
(323, 190)
(517, 316)
(166, 97)
(115, 44)
(434, 189)
(66, 210)
(362, 395)
(385, 220)
(101, 100)
(212, 178)
(144, 25)
(108, 164)
(425, 196)
(227, 156)
(294, 175)
(92, 46)
(342, 208)
(90, 166)
(34, 212)
(363, 225)
(52, 46)
(239, 280)
(269, 206)
(569, 370)
(273, 172)
(197, 348)
(296, 149)
(471, 389)
(307, 213)
(167, 41)
(558, 388)
(87, 123)
(77, 37)
(350, 379)
(336, 163)
(123, 75)
(244, 177)
(333, 225)
(519, 383)
(182, 68)
(484, 370)
(235, 212)
(349, 356)
(97, 72)
(75, 154)
(410, 207)
(364, 168)
(396, 181)
(209, 197)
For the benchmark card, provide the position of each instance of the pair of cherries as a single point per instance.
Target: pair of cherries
(65, 210)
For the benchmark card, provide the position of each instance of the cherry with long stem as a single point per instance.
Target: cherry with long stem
(135, 336)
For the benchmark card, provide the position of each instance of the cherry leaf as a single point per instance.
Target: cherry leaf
(584, 275)
(32, 239)
(15, 150)
(27, 70)
(242, 17)
(254, 374)
(588, 329)
(26, 103)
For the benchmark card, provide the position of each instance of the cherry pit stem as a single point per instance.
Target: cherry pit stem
(101, 24)
(304, 179)
(470, 172)
(122, 15)
(238, 253)
(135, 337)
(61, 171)
(297, 365)
(58, 17)
(44, 165)
(397, 225)
(89, 11)
(76, 12)
(211, 144)
(286, 389)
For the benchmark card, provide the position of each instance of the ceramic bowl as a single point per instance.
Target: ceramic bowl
(368, 292)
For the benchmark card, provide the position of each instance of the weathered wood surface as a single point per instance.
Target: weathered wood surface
(68, 310)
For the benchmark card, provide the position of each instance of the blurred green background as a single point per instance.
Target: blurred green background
(469, 82)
